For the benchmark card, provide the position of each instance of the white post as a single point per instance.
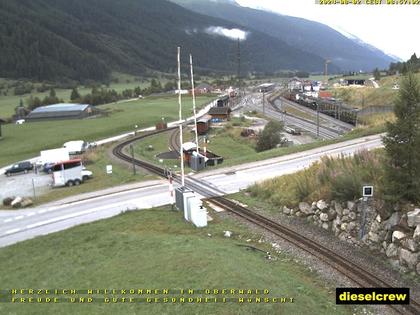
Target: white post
(194, 108)
(181, 150)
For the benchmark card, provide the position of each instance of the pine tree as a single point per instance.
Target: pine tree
(402, 143)
(75, 95)
(376, 74)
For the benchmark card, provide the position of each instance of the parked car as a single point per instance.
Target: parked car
(48, 167)
(20, 121)
(24, 167)
(86, 174)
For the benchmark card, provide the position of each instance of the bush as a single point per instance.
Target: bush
(270, 137)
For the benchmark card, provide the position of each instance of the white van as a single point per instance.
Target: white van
(75, 147)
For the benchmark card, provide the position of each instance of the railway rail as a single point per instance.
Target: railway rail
(352, 271)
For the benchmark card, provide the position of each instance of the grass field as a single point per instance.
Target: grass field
(24, 141)
(157, 249)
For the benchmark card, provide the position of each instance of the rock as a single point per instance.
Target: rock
(325, 226)
(375, 227)
(344, 226)
(418, 268)
(8, 201)
(16, 201)
(351, 226)
(338, 208)
(391, 250)
(413, 217)
(392, 221)
(332, 214)
(324, 217)
(351, 205)
(228, 233)
(384, 245)
(292, 211)
(416, 235)
(305, 208)
(345, 218)
(397, 236)
(299, 214)
(403, 222)
(378, 218)
(26, 202)
(374, 237)
(408, 258)
(286, 210)
(410, 244)
(352, 215)
(346, 212)
(321, 205)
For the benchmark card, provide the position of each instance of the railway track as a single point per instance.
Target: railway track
(352, 271)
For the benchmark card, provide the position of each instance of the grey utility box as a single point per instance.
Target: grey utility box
(197, 162)
(179, 197)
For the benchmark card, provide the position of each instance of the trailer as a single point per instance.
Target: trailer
(67, 173)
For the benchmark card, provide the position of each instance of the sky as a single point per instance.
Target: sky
(392, 28)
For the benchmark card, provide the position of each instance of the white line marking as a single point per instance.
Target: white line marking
(8, 220)
(12, 231)
(19, 217)
(42, 211)
(30, 214)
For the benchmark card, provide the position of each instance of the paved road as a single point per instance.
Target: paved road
(19, 225)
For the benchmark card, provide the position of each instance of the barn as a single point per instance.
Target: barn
(60, 111)
(220, 113)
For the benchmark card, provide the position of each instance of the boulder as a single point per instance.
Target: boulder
(418, 268)
(325, 226)
(352, 215)
(8, 201)
(16, 201)
(408, 258)
(378, 218)
(398, 236)
(321, 205)
(416, 235)
(403, 222)
(338, 208)
(305, 208)
(346, 212)
(286, 210)
(227, 233)
(392, 221)
(410, 244)
(345, 218)
(391, 250)
(324, 217)
(374, 237)
(413, 217)
(344, 226)
(351, 226)
(351, 205)
(26, 202)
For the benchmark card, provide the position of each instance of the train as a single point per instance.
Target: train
(330, 108)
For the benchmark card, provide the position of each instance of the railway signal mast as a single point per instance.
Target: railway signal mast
(181, 150)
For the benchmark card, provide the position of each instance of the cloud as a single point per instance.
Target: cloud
(233, 33)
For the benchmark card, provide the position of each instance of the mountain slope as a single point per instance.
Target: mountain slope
(306, 35)
(76, 39)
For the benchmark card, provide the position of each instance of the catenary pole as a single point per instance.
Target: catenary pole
(193, 97)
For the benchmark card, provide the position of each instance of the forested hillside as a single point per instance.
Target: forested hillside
(302, 34)
(87, 39)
